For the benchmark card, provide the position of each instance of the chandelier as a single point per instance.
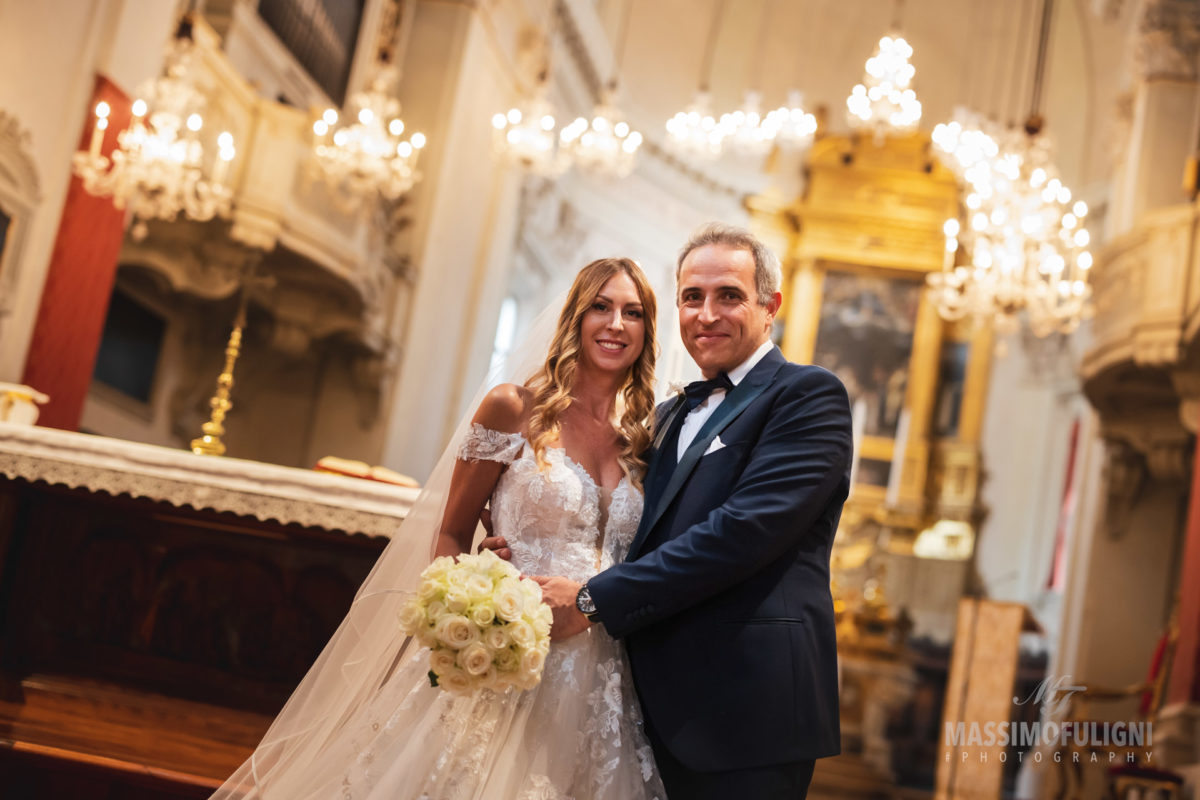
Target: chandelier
(1024, 240)
(885, 102)
(368, 158)
(525, 135)
(745, 131)
(606, 145)
(160, 166)
(693, 132)
(790, 125)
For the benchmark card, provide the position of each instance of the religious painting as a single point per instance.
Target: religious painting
(130, 347)
(952, 379)
(872, 472)
(865, 337)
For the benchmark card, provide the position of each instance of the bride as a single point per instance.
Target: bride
(559, 459)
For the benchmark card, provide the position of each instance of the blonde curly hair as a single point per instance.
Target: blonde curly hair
(551, 385)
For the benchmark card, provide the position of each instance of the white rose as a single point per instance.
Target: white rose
(441, 661)
(510, 600)
(456, 631)
(507, 660)
(428, 589)
(439, 567)
(545, 614)
(541, 627)
(490, 679)
(457, 579)
(457, 599)
(479, 587)
(468, 562)
(533, 595)
(532, 661)
(435, 611)
(522, 633)
(412, 617)
(455, 680)
(496, 637)
(475, 659)
(501, 569)
(482, 615)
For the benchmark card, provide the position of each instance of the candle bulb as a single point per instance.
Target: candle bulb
(950, 229)
(101, 125)
(224, 156)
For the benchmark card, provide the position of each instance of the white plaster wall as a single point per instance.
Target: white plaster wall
(56, 47)
(462, 206)
(1026, 447)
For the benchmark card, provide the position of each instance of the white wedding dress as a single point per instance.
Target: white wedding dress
(578, 735)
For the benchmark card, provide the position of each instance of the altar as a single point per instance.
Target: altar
(159, 606)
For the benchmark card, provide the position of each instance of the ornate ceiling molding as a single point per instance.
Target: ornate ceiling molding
(1167, 39)
(16, 165)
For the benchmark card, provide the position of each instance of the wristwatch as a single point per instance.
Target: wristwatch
(585, 604)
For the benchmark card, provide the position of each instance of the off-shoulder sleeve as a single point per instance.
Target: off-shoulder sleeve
(483, 444)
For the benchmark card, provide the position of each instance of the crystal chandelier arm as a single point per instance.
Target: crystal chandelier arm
(619, 50)
(551, 28)
(710, 45)
(1035, 100)
(758, 53)
(1016, 84)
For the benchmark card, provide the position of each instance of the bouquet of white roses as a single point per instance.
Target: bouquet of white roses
(487, 627)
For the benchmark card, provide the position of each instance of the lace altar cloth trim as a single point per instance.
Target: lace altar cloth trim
(181, 478)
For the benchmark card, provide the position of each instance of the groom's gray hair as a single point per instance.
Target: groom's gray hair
(767, 274)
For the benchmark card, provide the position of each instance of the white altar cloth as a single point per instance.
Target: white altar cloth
(183, 479)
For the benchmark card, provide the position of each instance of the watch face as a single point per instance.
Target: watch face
(584, 601)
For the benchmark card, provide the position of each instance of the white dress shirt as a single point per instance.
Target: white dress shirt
(699, 415)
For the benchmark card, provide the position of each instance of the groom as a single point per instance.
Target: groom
(724, 601)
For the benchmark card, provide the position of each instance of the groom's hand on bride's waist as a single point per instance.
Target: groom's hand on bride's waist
(560, 595)
(497, 544)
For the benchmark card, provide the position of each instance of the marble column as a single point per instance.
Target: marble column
(1161, 111)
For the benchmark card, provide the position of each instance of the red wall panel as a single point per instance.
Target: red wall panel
(83, 267)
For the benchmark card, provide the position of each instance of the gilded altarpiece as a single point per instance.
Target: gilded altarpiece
(856, 247)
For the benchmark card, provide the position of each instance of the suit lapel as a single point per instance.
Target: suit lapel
(672, 416)
(735, 402)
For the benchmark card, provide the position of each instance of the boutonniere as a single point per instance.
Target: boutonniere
(676, 387)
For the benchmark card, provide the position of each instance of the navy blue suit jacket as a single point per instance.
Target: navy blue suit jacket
(724, 599)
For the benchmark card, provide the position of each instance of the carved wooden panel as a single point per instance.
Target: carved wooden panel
(197, 605)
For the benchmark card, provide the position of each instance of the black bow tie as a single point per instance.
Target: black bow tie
(698, 391)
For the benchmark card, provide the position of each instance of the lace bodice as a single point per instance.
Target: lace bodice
(551, 518)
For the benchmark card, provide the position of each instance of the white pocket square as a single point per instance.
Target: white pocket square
(716, 445)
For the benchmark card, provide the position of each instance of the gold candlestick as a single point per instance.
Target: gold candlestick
(210, 443)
